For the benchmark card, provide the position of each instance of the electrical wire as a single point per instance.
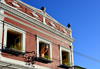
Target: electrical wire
(88, 57)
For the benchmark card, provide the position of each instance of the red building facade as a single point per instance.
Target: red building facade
(29, 37)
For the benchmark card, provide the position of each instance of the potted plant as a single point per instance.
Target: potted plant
(14, 50)
(47, 57)
(67, 64)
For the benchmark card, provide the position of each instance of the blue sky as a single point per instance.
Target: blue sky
(84, 16)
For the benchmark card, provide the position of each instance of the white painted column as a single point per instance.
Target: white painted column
(60, 56)
(72, 56)
(1, 28)
(5, 36)
(44, 14)
(51, 51)
(23, 41)
(37, 47)
(1, 25)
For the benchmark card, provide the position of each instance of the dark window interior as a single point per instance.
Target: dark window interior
(11, 36)
(65, 57)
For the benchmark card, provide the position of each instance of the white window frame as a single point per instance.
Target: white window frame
(62, 48)
(16, 29)
(46, 41)
(1, 27)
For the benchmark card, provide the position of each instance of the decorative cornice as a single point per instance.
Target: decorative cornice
(41, 13)
(55, 21)
(34, 28)
(21, 15)
(30, 7)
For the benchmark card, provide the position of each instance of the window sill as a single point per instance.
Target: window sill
(65, 66)
(13, 51)
(44, 60)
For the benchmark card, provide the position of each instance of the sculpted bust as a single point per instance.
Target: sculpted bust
(44, 49)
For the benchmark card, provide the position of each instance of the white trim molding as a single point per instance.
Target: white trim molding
(34, 29)
(44, 17)
(72, 56)
(16, 29)
(36, 10)
(62, 48)
(19, 14)
(45, 41)
(1, 29)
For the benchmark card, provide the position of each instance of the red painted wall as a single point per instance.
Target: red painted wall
(31, 45)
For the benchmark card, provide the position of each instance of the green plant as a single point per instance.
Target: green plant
(15, 47)
(11, 46)
(20, 48)
(47, 57)
(67, 64)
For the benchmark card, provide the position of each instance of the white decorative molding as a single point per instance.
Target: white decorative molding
(34, 29)
(33, 21)
(64, 31)
(34, 14)
(67, 50)
(1, 11)
(36, 10)
(72, 56)
(52, 24)
(15, 4)
(1, 17)
(46, 41)
(44, 14)
(14, 28)
(1, 29)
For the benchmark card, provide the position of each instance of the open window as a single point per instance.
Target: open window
(14, 40)
(65, 57)
(44, 50)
